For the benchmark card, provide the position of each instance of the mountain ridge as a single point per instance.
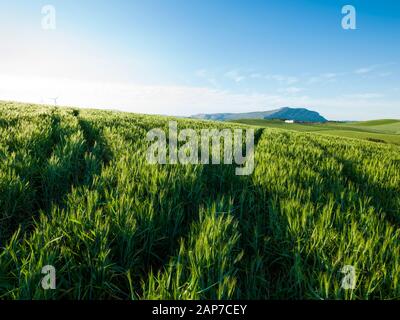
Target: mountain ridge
(285, 113)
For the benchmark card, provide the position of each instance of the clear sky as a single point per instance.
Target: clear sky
(182, 57)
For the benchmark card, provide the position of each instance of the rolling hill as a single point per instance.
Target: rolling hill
(381, 131)
(384, 125)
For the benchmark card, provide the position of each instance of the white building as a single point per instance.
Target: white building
(289, 121)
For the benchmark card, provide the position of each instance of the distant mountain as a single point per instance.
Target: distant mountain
(234, 116)
(297, 114)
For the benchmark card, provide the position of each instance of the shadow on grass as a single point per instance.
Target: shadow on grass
(166, 230)
(55, 169)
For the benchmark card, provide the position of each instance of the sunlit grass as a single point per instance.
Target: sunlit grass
(78, 193)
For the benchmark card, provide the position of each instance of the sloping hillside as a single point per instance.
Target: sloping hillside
(382, 133)
(384, 126)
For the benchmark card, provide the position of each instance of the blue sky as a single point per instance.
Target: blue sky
(182, 57)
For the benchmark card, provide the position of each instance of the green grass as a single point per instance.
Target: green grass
(77, 192)
(384, 131)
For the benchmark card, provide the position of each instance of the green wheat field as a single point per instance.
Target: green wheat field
(77, 192)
